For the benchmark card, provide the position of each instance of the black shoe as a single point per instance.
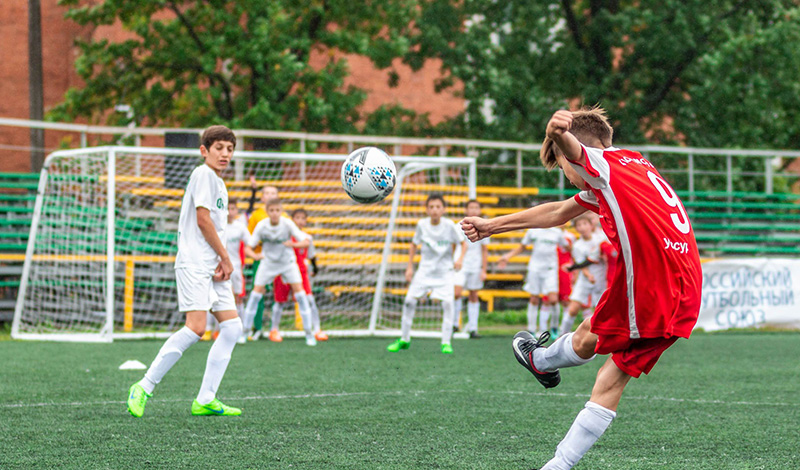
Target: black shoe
(524, 344)
(474, 335)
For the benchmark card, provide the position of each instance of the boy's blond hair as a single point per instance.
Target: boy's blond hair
(585, 216)
(587, 124)
(273, 202)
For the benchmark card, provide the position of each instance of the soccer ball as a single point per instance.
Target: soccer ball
(368, 175)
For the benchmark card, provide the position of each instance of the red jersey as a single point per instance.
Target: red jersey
(656, 289)
(611, 254)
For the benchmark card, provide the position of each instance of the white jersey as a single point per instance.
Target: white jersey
(437, 245)
(205, 189)
(272, 238)
(473, 258)
(590, 249)
(236, 232)
(545, 243)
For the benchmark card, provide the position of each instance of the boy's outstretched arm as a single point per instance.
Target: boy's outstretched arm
(547, 215)
(558, 130)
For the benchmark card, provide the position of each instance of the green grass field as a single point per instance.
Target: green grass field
(721, 401)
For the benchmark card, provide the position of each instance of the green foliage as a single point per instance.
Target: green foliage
(247, 64)
(720, 74)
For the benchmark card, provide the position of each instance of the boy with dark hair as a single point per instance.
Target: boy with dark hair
(281, 289)
(438, 237)
(202, 271)
(654, 298)
(471, 275)
(276, 234)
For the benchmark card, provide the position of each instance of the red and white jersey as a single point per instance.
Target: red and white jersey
(656, 289)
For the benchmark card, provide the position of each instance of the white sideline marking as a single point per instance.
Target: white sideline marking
(408, 392)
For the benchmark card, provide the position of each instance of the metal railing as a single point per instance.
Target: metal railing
(499, 163)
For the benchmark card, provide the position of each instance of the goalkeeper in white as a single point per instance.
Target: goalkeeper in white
(202, 271)
(438, 237)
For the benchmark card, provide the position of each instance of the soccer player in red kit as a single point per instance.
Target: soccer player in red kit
(654, 298)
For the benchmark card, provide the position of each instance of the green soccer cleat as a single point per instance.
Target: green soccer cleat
(447, 348)
(137, 398)
(398, 345)
(215, 408)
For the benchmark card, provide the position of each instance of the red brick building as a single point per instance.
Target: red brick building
(416, 90)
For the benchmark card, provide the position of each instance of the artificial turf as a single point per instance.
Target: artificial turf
(717, 401)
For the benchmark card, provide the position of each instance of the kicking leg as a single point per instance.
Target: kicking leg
(569, 350)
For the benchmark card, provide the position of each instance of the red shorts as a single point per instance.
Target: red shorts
(633, 356)
(282, 290)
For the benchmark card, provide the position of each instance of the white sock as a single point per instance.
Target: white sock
(251, 310)
(305, 311)
(167, 356)
(447, 321)
(559, 354)
(409, 309)
(316, 327)
(532, 310)
(587, 313)
(566, 323)
(554, 319)
(473, 310)
(545, 312)
(587, 428)
(218, 358)
(239, 310)
(277, 313)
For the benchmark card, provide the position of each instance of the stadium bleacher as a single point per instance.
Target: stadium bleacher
(735, 223)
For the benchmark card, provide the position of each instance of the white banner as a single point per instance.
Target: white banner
(753, 292)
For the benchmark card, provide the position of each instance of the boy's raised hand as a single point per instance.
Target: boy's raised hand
(559, 123)
(475, 228)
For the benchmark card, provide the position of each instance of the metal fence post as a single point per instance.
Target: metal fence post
(690, 170)
(519, 168)
(768, 175)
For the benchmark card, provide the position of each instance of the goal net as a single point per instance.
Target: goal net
(103, 240)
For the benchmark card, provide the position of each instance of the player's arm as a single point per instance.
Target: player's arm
(547, 215)
(503, 261)
(558, 130)
(250, 253)
(206, 226)
(298, 244)
(303, 239)
(412, 250)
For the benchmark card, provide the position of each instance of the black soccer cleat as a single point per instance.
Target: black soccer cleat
(524, 344)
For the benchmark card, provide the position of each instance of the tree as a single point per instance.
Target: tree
(245, 63)
(719, 73)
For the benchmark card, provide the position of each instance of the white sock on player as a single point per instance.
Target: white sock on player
(239, 310)
(566, 323)
(473, 311)
(277, 313)
(305, 312)
(251, 310)
(559, 354)
(587, 313)
(316, 327)
(532, 310)
(409, 309)
(447, 321)
(210, 321)
(587, 428)
(218, 358)
(545, 311)
(167, 356)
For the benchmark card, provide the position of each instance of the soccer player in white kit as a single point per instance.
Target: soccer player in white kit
(438, 237)
(591, 281)
(471, 275)
(202, 271)
(278, 259)
(541, 282)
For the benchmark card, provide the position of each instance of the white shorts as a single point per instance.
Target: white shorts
(586, 293)
(266, 273)
(469, 281)
(198, 291)
(541, 282)
(441, 288)
(237, 281)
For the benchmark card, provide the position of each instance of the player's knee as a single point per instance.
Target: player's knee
(473, 296)
(584, 342)
(410, 302)
(196, 327)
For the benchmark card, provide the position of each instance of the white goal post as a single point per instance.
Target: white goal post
(99, 261)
